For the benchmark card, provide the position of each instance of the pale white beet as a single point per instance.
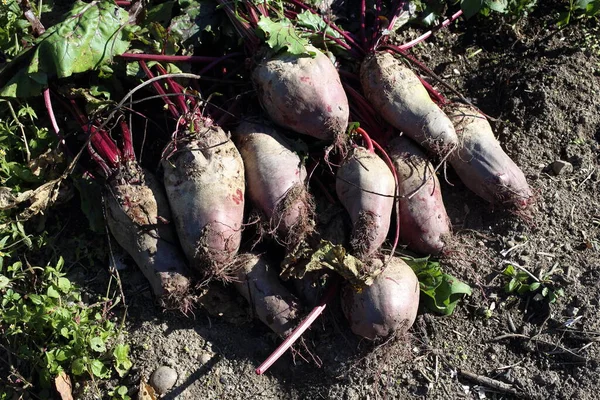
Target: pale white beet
(204, 181)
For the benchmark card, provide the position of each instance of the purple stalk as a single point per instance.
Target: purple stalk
(160, 90)
(164, 58)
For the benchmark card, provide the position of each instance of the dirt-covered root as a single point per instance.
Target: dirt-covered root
(293, 217)
(389, 305)
(483, 166)
(424, 223)
(399, 96)
(205, 183)
(365, 186)
(139, 219)
(274, 305)
(303, 93)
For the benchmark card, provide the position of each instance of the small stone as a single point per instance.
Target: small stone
(205, 358)
(456, 72)
(561, 167)
(163, 379)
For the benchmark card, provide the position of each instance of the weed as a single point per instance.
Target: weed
(523, 282)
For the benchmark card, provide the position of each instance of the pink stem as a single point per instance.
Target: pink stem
(164, 58)
(48, 103)
(396, 14)
(427, 34)
(159, 89)
(304, 325)
(366, 138)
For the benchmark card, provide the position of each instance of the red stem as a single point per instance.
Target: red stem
(159, 89)
(123, 3)
(390, 164)
(128, 152)
(437, 96)
(175, 87)
(163, 58)
(100, 161)
(366, 138)
(363, 27)
(304, 325)
(427, 34)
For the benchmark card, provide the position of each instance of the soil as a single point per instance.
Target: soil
(541, 85)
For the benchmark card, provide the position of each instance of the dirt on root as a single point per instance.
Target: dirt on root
(542, 87)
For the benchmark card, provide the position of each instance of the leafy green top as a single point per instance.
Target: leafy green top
(281, 36)
(89, 36)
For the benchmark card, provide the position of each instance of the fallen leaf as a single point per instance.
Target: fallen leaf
(63, 386)
(146, 392)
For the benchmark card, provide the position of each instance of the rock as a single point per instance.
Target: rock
(561, 167)
(205, 358)
(163, 379)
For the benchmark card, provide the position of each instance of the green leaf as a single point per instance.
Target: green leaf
(471, 7)
(78, 366)
(122, 362)
(281, 36)
(509, 270)
(52, 292)
(513, 284)
(500, 6)
(534, 286)
(99, 369)
(97, 344)
(196, 18)
(64, 285)
(90, 35)
(524, 288)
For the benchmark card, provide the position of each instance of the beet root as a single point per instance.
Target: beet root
(139, 218)
(204, 181)
(482, 164)
(402, 100)
(365, 186)
(276, 181)
(272, 303)
(303, 93)
(389, 305)
(424, 223)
